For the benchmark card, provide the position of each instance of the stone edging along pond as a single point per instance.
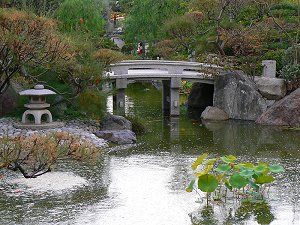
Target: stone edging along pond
(76, 127)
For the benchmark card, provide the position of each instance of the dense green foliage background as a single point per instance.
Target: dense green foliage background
(236, 34)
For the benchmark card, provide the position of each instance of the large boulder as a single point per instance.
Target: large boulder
(214, 113)
(271, 88)
(237, 95)
(9, 99)
(117, 136)
(114, 122)
(201, 96)
(284, 112)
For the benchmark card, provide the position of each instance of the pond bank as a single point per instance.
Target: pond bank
(83, 129)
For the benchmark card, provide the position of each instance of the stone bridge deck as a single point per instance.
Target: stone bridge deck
(170, 72)
(164, 70)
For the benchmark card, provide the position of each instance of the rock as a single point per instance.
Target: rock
(238, 96)
(214, 113)
(117, 136)
(271, 88)
(114, 122)
(201, 96)
(284, 112)
(9, 100)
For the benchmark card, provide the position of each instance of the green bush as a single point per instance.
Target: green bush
(289, 55)
(290, 72)
(275, 55)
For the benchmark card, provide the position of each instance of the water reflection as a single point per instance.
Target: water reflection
(246, 211)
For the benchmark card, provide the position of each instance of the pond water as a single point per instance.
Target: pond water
(145, 184)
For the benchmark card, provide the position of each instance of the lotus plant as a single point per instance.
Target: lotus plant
(218, 175)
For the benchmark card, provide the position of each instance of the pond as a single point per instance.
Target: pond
(145, 184)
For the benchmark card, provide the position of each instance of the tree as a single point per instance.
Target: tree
(42, 7)
(146, 18)
(26, 39)
(81, 15)
(182, 29)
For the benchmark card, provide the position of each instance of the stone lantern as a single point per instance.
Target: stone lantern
(37, 107)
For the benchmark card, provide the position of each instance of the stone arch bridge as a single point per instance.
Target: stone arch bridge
(171, 73)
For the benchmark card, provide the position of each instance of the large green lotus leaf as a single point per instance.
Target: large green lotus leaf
(237, 181)
(276, 168)
(246, 172)
(223, 168)
(260, 169)
(190, 187)
(199, 161)
(207, 183)
(228, 158)
(264, 179)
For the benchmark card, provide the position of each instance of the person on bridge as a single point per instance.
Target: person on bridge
(140, 48)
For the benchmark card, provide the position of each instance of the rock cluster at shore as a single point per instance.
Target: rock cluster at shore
(83, 129)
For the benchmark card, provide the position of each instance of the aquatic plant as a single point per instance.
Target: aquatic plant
(223, 175)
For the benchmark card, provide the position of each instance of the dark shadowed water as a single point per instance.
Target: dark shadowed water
(145, 184)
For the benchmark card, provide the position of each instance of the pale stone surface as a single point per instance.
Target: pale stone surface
(284, 112)
(214, 113)
(238, 96)
(269, 69)
(38, 90)
(271, 88)
(118, 136)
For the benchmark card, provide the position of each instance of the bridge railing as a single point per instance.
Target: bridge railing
(173, 67)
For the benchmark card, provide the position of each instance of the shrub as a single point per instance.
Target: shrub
(108, 56)
(35, 155)
(289, 55)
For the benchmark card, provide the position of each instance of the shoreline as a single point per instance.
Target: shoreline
(84, 129)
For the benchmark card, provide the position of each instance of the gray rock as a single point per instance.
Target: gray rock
(271, 88)
(238, 96)
(214, 113)
(9, 100)
(114, 122)
(284, 112)
(201, 96)
(118, 136)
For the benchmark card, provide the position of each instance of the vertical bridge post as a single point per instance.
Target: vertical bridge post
(121, 85)
(170, 95)
(174, 96)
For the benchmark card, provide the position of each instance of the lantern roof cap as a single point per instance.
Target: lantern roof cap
(38, 90)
